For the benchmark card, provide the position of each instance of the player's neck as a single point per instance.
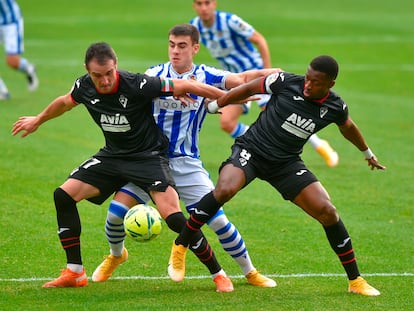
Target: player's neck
(183, 69)
(208, 23)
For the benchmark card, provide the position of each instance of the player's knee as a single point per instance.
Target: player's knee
(224, 194)
(228, 125)
(13, 61)
(61, 197)
(328, 214)
(176, 221)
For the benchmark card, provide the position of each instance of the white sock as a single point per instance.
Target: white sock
(114, 227)
(221, 272)
(3, 87)
(74, 267)
(315, 141)
(231, 240)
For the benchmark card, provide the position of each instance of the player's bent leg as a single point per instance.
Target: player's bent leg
(229, 120)
(115, 235)
(104, 271)
(323, 148)
(176, 263)
(233, 243)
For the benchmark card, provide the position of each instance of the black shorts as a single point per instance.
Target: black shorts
(287, 177)
(109, 174)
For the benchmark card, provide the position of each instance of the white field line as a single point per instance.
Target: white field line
(285, 276)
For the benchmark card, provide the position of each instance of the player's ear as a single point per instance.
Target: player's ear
(331, 84)
(196, 48)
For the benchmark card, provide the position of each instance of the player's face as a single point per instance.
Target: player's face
(103, 75)
(181, 51)
(205, 9)
(317, 84)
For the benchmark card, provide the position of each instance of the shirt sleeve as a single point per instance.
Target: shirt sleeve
(241, 27)
(154, 86)
(344, 115)
(274, 82)
(75, 92)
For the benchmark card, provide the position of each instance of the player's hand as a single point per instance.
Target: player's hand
(185, 99)
(26, 124)
(373, 163)
(207, 101)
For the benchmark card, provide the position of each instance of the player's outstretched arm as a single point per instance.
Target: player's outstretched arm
(237, 95)
(259, 40)
(236, 79)
(29, 124)
(183, 87)
(352, 133)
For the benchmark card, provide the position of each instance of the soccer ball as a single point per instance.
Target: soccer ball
(142, 223)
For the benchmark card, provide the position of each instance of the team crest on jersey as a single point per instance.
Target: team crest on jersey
(123, 100)
(242, 26)
(323, 111)
(192, 77)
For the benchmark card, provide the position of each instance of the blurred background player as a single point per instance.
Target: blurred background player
(11, 34)
(181, 124)
(231, 41)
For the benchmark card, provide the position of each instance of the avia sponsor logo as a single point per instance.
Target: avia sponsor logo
(116, 123)
(174, 104)
(298, 126)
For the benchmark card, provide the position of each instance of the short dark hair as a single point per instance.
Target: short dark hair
(101, 51)
(326, 64)
(186, 30)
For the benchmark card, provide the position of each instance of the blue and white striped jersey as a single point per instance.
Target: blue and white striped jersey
(182, 124)
(9, 12)
(228, 42)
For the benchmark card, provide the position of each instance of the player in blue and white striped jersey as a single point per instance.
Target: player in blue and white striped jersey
(181, 124)
(232, 42)
(11, 34)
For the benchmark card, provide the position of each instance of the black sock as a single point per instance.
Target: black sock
(69, 226)
(206, 208)
(176, 222)
(341, 244)
(202, 249)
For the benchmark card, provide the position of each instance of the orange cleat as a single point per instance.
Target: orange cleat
(68, 278)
